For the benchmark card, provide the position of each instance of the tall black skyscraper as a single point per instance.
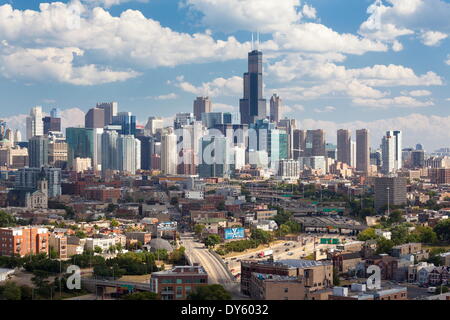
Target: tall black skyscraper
(253, 107)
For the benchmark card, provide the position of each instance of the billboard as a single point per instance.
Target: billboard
(234, 233)
(167, 226)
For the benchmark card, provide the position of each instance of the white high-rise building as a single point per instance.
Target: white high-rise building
(35, 124)
(128, 148)
(153, 125)
(388, 154)
(109, 150)
(17, 136)
(169, 154)
(238, 153)
(289, 169)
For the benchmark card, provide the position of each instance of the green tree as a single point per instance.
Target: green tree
(395, 217)
(221, 206)
(80, 234)
(367, 234)
(261, 236)
(6, 220)
(212, 240)
(384, 245)
(53, 254)
(442, 230)
(10, 291)
(199, 228)
(114, 223)
(142, 296)
(97, 249)
(426, 234)
(210, 292)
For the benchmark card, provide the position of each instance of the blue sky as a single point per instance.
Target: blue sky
(335, 63)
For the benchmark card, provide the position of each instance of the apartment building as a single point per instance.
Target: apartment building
(178, 283)
(23, 241)
(316, 275)
(58, 243)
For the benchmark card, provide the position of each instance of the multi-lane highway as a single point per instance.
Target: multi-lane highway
(217, 272)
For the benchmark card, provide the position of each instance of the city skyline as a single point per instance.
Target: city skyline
(369, 65)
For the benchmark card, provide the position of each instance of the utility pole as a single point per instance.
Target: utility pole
(388, 213)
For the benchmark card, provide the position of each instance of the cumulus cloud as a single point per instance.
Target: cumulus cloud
(110, 3)
(251, 15)
(418, 93)
(223, 107)
(170, 96)
(217, 87)
(391, 19)
(401, 102)
(326, 109)
(130, 40)
(432, 38)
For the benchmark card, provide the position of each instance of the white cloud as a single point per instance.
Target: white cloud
(432, 38)
(58, 65)
(419, 93)
(129, 40)
(406, 17)
(309, 11)
(217, 87)
(400, 102)
(170, 96)
(397, 46)
(250, 15)
(327, 109)
(416, 128)
(223, 107)
(448, 60)
(110, 3)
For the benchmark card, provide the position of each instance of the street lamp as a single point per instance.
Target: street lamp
(388, 200)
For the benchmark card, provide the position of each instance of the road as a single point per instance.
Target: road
(295, 250)
(217, 273)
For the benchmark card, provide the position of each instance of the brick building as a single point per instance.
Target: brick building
(23, 241)
(176, 284)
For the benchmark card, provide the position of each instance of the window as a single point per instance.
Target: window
(286, 290)
(179, 281)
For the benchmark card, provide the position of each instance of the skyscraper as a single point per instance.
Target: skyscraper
(55, 113)
(344, 147)
(315, 143)
(388, 154)
(253, 106)
(81, 143)
(362, 151)
(153, 124)
(95, 118)
(109, 150)
(38, 152)
(35, 125)
(111, 109)
(127, 121)
(275, 108)
(392, 151)
(51, 124)
(183, 119)
(129, 154)
(299, 141)
(201, 105)
(169, 154)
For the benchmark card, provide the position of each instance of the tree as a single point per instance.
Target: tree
(367, 234)
(209, 292)
(80, 234)
(142, 296)
(336, 279)
(10, 291)
(426, 235)
(221, 206)
(261, 236)
(6, 220)
(384, 245)
(114, 223)
(442, 230)
(53, 254)
(212, 240)
(395, 217)
(198, 229)
(97, 249)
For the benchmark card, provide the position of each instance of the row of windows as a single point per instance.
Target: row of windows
(180, 281)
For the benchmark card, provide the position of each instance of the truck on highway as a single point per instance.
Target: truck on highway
(265, 253)
(431, 290)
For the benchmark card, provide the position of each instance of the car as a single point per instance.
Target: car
(286, 250)
(290, 253)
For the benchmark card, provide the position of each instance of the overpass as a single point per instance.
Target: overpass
(99, 286)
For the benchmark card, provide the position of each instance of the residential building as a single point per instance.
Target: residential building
(390, 190)
(23, 241)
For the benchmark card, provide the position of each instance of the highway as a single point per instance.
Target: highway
(217, 273)
(295, 250)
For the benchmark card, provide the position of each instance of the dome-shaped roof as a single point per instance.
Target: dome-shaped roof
(159, 243)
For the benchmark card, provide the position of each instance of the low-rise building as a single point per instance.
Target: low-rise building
(179, 282)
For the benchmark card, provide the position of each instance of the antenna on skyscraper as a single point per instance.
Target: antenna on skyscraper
(257, 40)
(252, 42)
